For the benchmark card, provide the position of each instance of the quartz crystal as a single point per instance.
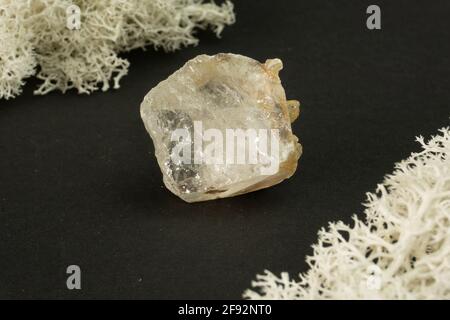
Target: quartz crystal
(221, 126)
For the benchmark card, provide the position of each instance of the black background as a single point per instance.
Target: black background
(79, 183)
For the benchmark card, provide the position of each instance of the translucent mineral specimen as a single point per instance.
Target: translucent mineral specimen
(221, 126)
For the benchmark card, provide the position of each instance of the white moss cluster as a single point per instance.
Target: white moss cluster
(400, 251)
(17, 60)
(34, 33)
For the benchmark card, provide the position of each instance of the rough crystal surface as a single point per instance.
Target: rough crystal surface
(222, 92)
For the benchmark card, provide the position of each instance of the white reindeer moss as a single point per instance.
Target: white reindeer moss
(34, 33)
(400, 251)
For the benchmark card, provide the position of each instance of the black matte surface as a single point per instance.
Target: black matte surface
(79, 183)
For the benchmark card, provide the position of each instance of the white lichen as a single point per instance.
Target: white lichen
(17, 61)
(34, 32)
(400, 251)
